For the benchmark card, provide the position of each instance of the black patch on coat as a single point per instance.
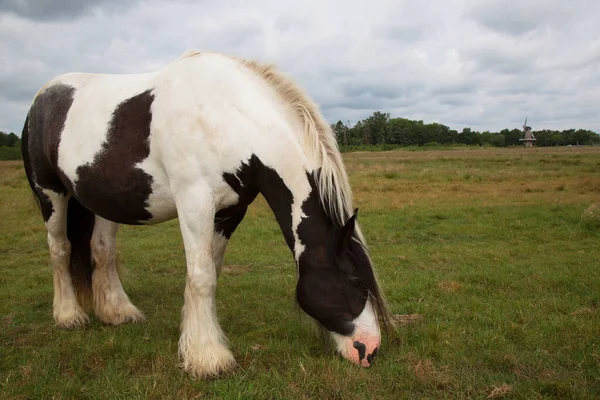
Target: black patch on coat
(112, 186)
(228, 219)
(253, 176)
(40, 139)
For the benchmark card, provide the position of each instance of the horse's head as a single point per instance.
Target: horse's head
(336, 288)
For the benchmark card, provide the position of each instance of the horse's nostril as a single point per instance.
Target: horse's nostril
(362, 349)
(371, 356)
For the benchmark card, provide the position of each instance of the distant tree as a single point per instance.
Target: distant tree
(542, 138)
(513, 136)
(487, 137)
(582, 137)
(498, 140)
(12, 140)
(376, 126)
(355, 134)
(398, 131)
(452, 137)
(443, 134)
(557, 139)
(341, 133)
(469, 137)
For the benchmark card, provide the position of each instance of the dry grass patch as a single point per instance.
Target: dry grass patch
(499, 391)
(450, 286)
(235, 269)
(589, 185)
(408, 319)
(591, 216)
(428, 373)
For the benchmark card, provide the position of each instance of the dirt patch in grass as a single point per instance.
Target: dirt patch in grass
(450, 286)
(427, 372)
(408, 319)
(498, 392)
(589, 185)
(235, 269)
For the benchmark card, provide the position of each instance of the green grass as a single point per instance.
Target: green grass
(487, 245)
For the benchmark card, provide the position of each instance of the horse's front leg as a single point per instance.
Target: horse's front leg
(202, 344)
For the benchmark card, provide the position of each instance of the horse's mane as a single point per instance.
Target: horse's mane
(321, 146)
(319, 141)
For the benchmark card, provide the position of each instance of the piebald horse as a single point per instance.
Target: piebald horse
(197, 140)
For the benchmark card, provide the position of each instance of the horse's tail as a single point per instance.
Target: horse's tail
(27, 159)
(80, 226)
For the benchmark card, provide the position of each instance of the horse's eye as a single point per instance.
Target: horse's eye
(354, 281)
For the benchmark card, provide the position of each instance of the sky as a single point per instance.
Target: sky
(484, 64)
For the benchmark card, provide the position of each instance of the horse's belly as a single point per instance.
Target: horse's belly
(132, 197)
(161, 205)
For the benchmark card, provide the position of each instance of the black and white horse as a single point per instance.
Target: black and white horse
(197, 140)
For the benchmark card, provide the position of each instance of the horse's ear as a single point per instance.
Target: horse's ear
(346, 232)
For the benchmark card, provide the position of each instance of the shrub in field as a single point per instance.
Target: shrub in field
(590, 218)
(10, 153)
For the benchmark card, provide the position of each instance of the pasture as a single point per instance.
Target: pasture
(481, 250)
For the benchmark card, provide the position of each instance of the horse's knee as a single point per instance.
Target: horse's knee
(59, 246)
(201, 286)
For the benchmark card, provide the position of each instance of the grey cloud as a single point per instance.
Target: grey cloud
(382, 89)
(357, 103)
(17, 90)
(287, 23)
(62, 10)
(512, 20)
(526, 16)
(242, 32)
(528, 84)
(408, 33)
(455, 100)
(454, 88)
(496, 60)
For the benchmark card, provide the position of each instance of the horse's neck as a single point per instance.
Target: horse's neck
(299, 212)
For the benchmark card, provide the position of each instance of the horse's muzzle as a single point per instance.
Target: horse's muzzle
(362, 351)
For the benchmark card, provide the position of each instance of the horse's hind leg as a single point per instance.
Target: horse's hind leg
(66, 309)
(111, 304)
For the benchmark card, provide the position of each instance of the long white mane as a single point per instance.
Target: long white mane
(320, 143)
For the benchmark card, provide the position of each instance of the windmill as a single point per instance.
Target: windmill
(528, 137)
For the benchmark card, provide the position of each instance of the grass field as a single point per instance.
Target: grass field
(484, 246)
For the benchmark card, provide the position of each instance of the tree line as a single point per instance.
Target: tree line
(9, 140)
(380, 129)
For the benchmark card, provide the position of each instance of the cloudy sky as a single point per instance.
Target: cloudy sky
(485, 64)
